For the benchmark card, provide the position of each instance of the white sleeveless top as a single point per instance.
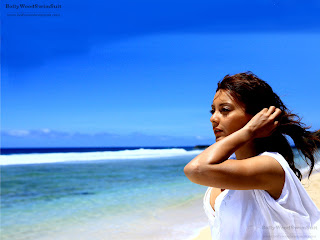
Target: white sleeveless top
(254, 214)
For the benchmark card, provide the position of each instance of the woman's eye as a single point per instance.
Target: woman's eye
(212, 111)
(225, 110)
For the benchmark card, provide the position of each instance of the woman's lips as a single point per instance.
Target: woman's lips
(217, 131)
(218, 134)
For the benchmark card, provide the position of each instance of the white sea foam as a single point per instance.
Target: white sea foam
(37, 158)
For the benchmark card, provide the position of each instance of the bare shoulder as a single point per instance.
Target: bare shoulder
(272, 176)
(265, 165)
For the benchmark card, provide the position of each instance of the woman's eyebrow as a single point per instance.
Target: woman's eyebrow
(221, 104)
(226, 103)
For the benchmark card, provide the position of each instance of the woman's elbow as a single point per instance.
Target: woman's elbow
(193, 171)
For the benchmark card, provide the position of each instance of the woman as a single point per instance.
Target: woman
(258, 195)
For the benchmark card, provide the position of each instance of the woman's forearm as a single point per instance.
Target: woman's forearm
(221, 150)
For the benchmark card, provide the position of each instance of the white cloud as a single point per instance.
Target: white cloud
(46, 130)
(18, 133)
(199, 138)
(52, 138)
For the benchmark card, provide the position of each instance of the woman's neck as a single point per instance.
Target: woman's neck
(246, 151)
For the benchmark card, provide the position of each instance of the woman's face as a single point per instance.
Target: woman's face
(228, 115)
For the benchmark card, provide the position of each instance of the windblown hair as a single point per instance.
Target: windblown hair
(256, 94)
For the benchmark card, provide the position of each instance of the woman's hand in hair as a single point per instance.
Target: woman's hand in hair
(264, 123)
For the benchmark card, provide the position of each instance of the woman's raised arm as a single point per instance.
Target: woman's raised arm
(211, 167)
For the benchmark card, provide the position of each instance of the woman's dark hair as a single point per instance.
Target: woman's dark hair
(256, 94)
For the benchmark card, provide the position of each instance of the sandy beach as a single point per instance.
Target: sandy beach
(312, 186)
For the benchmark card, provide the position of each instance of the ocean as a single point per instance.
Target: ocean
(98, 194)
(101, 193)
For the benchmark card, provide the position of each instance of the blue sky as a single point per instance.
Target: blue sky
(141, 73)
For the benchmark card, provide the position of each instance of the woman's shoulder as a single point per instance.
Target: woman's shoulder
(275, 179)
(277, 156)
(293, 196)
(271, 154)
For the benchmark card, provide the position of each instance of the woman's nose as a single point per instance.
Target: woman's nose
(214, 120)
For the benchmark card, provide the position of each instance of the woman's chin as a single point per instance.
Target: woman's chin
(218, 138)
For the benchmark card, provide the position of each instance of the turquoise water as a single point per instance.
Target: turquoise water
(48, 198)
